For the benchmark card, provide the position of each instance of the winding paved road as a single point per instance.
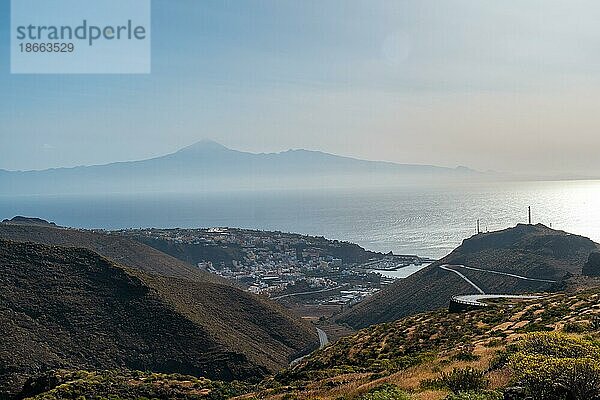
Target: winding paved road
(504, 273)
(446, 268)
(476, 299)
(323, 339)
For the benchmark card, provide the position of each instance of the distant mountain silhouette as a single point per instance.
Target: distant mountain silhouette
(20, 220)
(207, 165)
(205, 145)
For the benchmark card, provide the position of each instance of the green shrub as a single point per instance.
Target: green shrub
(551, 378)
(486, 395)
(556, 345)
(500, 359)
(115, 385)
(595, 323)
(576, 327)
(581, 379)
(463, 380)
(432, 384)
(555, 366)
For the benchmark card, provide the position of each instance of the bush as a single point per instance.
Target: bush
(500, 359)
(595, 323)
(552, 378)
(554, 366)
(581, 380)
(463, 380)
(487, 395)
(137, 385)
(557, 345)
(385, 392)
(576, 327)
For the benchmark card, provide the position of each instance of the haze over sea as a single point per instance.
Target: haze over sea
(423, 220)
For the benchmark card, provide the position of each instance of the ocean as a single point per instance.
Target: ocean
(428, 221)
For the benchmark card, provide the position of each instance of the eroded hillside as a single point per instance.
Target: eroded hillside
(71, 308)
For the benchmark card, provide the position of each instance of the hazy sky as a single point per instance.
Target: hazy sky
(504, 85)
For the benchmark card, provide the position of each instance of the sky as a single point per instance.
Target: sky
(509, 86)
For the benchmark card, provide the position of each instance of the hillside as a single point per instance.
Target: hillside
(536, 252)
(120, 249)
(545, 349)
(209, 166)
(531, 344)
(71, 308)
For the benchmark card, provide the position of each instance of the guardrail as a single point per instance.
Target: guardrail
(473, 301)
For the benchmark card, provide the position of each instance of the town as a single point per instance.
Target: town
(283, 266)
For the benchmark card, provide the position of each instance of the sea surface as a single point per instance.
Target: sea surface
(427, 221)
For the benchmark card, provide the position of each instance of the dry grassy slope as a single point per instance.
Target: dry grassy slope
(119, 249)
(526, 250)
(216, 305)
(69, 307)
(405, 353)
(425, 290)
(264, 331)
(411, 350)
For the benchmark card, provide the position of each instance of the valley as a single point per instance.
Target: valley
(85, 311)
(84, 299)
